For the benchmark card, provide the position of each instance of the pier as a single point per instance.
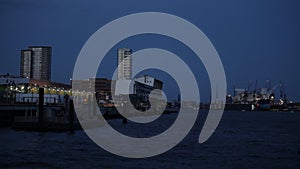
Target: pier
(41, 116)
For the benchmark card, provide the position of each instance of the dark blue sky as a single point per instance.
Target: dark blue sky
(256, 40)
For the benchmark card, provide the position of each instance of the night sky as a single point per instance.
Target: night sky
(256, 40)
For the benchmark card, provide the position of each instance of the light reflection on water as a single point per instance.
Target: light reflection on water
(242, 140)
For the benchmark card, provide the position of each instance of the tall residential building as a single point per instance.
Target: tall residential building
(36, 62)
(41, 62)
(125, 64)
(25, 67)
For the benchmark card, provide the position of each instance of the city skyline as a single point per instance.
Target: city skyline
(149, 84)
(255, 40)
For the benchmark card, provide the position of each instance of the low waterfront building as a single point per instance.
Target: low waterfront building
(139, 90)
(10, 86)
(8, 80)
(84, 88)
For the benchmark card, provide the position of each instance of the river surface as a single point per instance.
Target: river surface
(243, 140)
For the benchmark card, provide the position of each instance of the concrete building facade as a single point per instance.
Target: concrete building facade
(36, 62)
(124, 63)
(25, 67)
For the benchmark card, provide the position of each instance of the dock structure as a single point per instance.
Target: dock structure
(39, 117)
(41, 108)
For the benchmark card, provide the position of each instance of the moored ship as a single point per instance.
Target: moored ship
(262, 99)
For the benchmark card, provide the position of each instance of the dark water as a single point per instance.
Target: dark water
(259, 140)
